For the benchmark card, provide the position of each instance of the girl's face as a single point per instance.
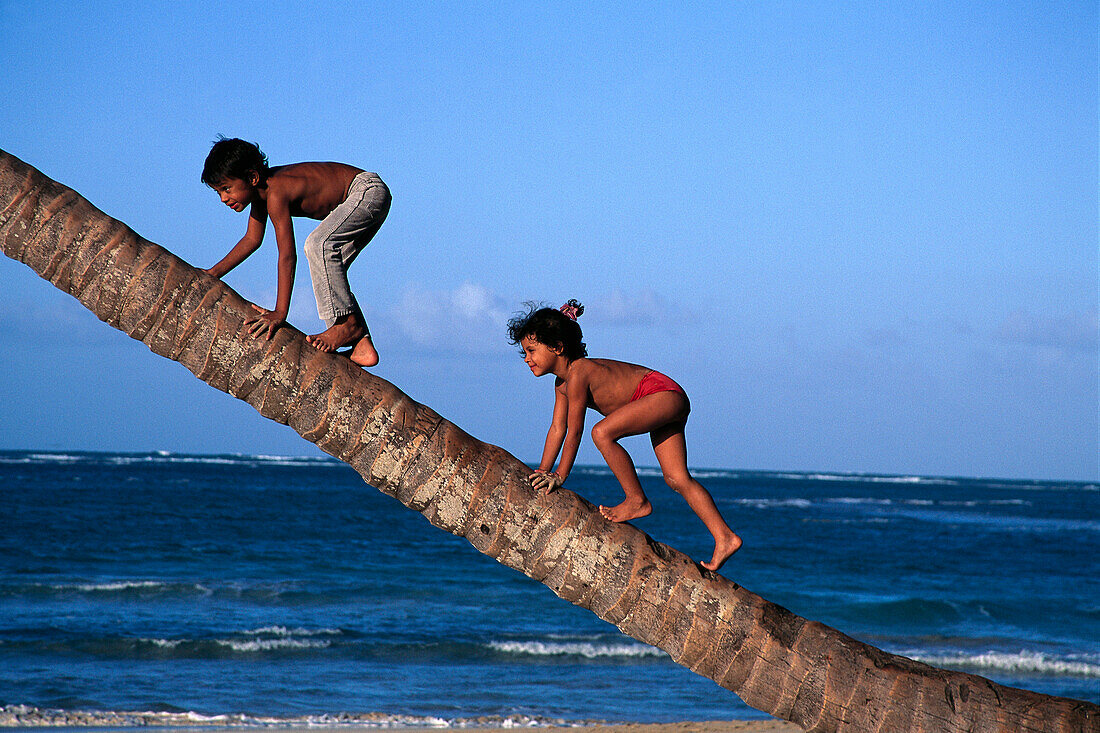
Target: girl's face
(539, 357)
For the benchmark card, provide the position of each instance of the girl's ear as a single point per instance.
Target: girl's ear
(558, 349)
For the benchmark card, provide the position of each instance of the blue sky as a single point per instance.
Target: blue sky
(862, 235)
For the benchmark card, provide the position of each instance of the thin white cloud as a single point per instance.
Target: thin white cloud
(472, 318)
(1072, 332)
(55, 319)
(636, 308)
(468, 318)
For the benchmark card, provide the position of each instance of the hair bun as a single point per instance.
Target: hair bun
(572, 309)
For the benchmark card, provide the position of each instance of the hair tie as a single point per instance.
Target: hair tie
(572, 309)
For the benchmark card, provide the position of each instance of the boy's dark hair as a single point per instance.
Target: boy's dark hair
(550, 326)
(232, 157)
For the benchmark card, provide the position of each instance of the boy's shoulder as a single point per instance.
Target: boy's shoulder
(296, 179)
(287, 170)
(313, 168)
(313, 175)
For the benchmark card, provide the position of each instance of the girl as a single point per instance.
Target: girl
(632, 399)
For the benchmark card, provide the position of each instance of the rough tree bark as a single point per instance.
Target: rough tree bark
(792, 668)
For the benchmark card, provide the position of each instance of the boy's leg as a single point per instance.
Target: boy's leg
(634, 418)
(670, 447)
(330, 249)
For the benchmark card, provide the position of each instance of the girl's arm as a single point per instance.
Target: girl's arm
(556, 434)
(576, 398)
(543, 479)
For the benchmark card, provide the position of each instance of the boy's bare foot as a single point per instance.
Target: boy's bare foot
(363, 353)
(627, 510)
(722, 552)
(346, 331)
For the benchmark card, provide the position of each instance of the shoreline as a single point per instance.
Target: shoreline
(26, 716)
(708, 726)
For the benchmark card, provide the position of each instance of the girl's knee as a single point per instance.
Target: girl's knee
(679, 482)
(602, 435)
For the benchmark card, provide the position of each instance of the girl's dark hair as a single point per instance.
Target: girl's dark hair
(550, 326)
(232, 157)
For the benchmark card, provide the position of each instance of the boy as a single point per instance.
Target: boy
(351, 204)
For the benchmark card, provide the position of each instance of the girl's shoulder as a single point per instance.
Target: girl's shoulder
(578, 372)
(584, 366)
(614, 365)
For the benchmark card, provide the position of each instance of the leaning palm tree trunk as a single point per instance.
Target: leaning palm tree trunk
(792, 668)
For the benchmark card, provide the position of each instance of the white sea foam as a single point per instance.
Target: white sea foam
(282, 631)
(279, 639)
(1024, 662)
(266, 645)
(112, 586)
(54, 457)
(165, 457)
(863, 478)
(987, 502)
(587, 649)
(773, 503)
(27, 715)
(804, 503)
(121, 586)
(269, 638)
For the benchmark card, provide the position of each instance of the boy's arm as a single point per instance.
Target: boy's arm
(278, 210)
(250, 242)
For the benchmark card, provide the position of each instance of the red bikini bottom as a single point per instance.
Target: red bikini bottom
(655, 382)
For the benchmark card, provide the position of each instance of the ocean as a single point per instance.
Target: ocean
(277, 589)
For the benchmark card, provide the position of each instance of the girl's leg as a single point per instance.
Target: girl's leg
(670, 447)
(634, 418)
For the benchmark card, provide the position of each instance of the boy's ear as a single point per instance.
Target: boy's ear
(253, 178)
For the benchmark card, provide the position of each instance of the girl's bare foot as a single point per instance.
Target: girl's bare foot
(346, 331)
(627, 510)
(722, 551)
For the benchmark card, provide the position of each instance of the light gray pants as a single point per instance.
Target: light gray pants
(338, 239)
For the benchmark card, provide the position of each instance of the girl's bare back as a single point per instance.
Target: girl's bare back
(610, 383)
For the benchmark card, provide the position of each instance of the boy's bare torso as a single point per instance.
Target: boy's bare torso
(311, 189)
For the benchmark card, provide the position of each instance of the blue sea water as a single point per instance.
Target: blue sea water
(287, 588)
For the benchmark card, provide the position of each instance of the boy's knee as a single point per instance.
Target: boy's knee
(312, 246)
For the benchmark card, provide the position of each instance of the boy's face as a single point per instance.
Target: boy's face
(236, 193)
(539, 357)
